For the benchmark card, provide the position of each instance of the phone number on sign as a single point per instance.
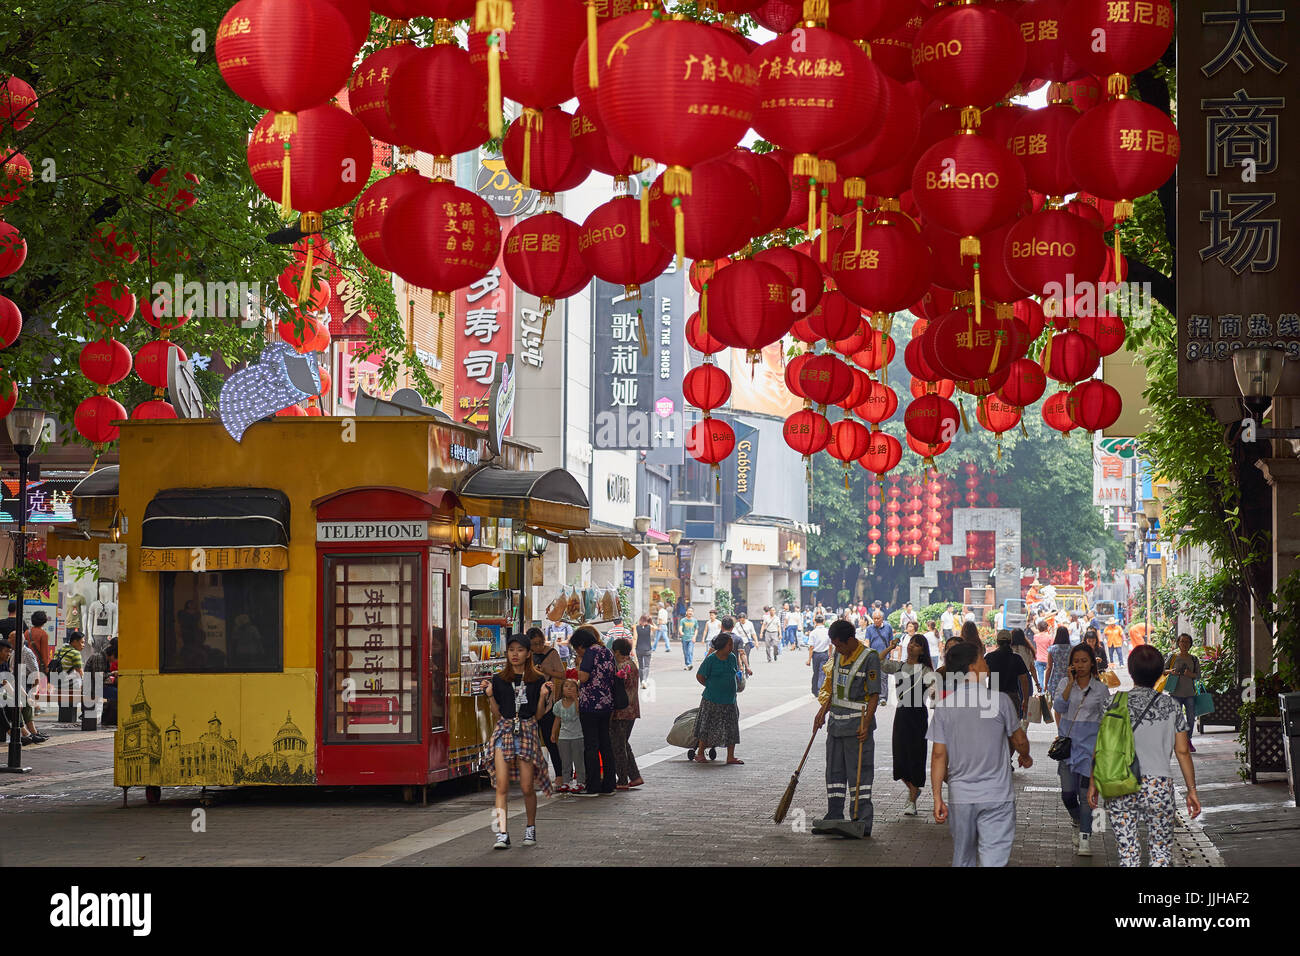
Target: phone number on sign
(1222, 351)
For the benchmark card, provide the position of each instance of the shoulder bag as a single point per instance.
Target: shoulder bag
(740, 678)
(621, 701)
(1060, 749)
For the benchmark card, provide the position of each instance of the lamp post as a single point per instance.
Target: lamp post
(25, 426)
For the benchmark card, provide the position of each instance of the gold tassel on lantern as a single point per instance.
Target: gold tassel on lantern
(812, 207)
(1117, 86)
(591, 44)
(308, 266)
(410, 324)
(645, 212)
(494, 85)
(286, 202)
(640, 333)
(679, 231)
(285, 124)
(965, 425)
(532, 120)
(1023, 431)
(997, 350)
(1047, 353)
(816, 11)
(970, 118)
(548, 306)
(978, 316)
(704, 309)
(825, 230)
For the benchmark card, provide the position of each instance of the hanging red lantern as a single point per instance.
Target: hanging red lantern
(854, 341)
(806, 281)
(943, 388)
(931, 419)
(887, 271)
(1132, 43)
(882, 454)
(610, 245)
(928, 450)
(1056, 412)
(372, 208)
(111, 304)
(94, 419)
(968, 56)
(717, 218)
(105, 361)
(301, 331)
(856, 19)
(876, 352)
(597, 150)
(834, 317)
(105, 243)
(311, 294)
(536, 61)
(1039, 140)
(152, 359)
(935, 302)
(773, 188)
(161, 314)
(257, 37)
(456, 119)
(849, 441)
(806, 431)
(541, 257)
(14, 177)
(170, 193)
(302, 170)
(702, 341)
(292, 411)
(1031, 318)
(861, 390)
(710, 440)
(153, 409)
(824, 379)
(968, 185)
(1070, 357)
(1122, 150)
(1044, 250)
(1094, 405)
(368, 90)
(918, 364)
(423, 225)
(702, 270)
(11, 322)
(1025, 384)
(997, 415)
(17, 103)
(750, 305)
(1047, 56)
(539, 151)
(13, 250)
(706, 387)
(966, 351)
(779, 16)
(1107, 331)
(793, 368)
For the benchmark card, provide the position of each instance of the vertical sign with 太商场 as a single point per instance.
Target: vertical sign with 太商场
(1238, 189)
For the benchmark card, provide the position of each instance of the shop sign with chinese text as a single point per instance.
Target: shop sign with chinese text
(1238, 189)
(1112, 481)
(484, 333)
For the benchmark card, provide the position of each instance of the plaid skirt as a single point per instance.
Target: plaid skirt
(717, 725)
(525, 746)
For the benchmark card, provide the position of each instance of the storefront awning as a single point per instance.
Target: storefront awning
(236, 528)
(599, 547)
(542, 499)
(95, 497)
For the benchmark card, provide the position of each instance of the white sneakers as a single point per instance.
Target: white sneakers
(530, 836)
(503, 842)
(1084, 848)
(910, 809)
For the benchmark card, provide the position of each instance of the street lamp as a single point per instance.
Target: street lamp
(1258, 369)
(25, 426)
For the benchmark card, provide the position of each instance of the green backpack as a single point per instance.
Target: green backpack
(1115, 769)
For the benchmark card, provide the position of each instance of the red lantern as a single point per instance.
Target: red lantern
(849, 441)
(717, 218)
(168, 191)
(17, 103)
(710, 441)
(1025, 384)
(1047, 58)
(779, 16)
(883, 453)
(1123, 150)
(968, 55)
(368, 90)
(152, 359)
(996, 415)
(597, 150)
(824, 379)
(853, 342)
(1131, 43)
(793, 368)
(153, 409)
(537, 58)
(928, 450)
(806, 432)
(257, 37)
(702, 341)
(105, 361)
(968, 185)
(876, 352)
(861, 390)
(455, 120)
(1094, 405)
(13, 250)
(159, 314)
(944, 387)
(750, 305)
(808, 113)
(1031, 318)
(931, 419)
(110, 304)
(1044, 250)
(835, 317)
(105, 241)
(918, 364)
(773, 186)
(303, 332)
(421, 224)
(888, 271)
(807, 284)
(540, 154)
(1106, 331)
(1056, 412)
(371, 210)
(1070, 357)
(541, 256)
(14, 177)
(706, 387)
(328, 140)
(292, 411)
(94, 419)
(610, 245)
(11, 322)
(1039, 141)
(967, 352)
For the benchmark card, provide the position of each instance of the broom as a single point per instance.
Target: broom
(784, 806)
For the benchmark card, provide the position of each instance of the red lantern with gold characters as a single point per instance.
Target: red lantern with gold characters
(997, 415)
(541, 257)
(750, 305)
(883, 452)
(94, 419)
(1056, 412)
(451, 122)
(931, 419)
(887, 270)
(152, 359)
(806, 431)
(706, 387)
(1048, 247)
(1025, 384)
(368, 90)
(17, 103)
(1122, 150)
(849, 441)
(824, 379)
(710, 441)
(372, 208)
(968, 56)
(610, 244)
(539, 151)
(1094, 405)
(1136, 36)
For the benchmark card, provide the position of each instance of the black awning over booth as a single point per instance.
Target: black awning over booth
(239, 527)
(544, 499)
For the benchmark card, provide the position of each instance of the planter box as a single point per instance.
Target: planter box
(1266, 744)
(1224, 713)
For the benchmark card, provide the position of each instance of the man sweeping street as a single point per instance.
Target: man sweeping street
(849, 697)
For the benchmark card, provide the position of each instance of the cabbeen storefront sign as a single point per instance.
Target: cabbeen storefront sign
(1238, 189)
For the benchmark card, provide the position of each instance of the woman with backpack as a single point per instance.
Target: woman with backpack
(1082, 698)
(1159, 728)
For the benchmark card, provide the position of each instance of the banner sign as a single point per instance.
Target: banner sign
(811, 579)
(484, 335)
(1238, 189)
(1112, 481)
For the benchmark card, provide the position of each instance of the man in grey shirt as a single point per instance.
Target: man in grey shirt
(969, 732)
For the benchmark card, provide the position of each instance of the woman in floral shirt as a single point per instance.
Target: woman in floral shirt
(595, 677)
(620, 724)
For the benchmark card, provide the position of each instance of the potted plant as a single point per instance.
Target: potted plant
(1219, 671)
(1260, 734)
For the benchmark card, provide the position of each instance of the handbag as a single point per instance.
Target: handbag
(1045, 707)
(1035, 713)
(1204, 700)
(1061, 746)
(740, 679)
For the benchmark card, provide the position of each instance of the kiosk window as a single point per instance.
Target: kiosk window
(372, 644)
(222, 621)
